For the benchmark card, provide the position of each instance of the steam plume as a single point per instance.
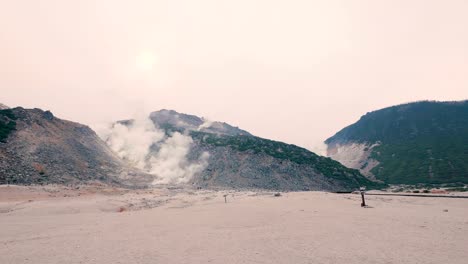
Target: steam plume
(148, 148)
(206, 124)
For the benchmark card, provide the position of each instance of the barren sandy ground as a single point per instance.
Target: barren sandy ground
(95, 225)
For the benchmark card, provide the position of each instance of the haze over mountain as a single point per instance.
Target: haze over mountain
(293, 71)
(422, 142)
(181, 148)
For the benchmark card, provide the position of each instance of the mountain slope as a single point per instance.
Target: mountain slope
(238, 159)
(37, 147)
(422, 142)
(172, 120)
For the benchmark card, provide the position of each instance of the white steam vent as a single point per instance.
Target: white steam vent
(168, 162)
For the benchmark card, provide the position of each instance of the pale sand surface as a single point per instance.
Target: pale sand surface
(104, 225)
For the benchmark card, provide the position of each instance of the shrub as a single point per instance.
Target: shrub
(7, 124)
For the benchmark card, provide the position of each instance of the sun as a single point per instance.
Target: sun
(145, 61)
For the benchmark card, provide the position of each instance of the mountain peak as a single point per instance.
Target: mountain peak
(171, 119)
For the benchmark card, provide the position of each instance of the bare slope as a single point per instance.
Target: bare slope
(238, 159)
(40, 148)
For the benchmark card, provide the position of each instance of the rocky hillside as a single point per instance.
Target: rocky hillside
(171, 120)
(238, 159)
(37, 147)
(422, 142)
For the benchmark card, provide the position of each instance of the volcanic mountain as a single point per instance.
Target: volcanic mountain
(238, 159)
(422, 142)
(37, 147)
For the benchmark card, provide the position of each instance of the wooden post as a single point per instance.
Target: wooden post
(225, 198)
(362, 190)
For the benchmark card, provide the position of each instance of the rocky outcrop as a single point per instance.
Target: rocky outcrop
(354, 155)
(44, 149)
(230, 167)
(172, 120)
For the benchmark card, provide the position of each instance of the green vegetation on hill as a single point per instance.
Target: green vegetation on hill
(7, 124)
(326, 166)
(423, 142)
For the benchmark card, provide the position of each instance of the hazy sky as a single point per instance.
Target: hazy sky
(296, 71)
